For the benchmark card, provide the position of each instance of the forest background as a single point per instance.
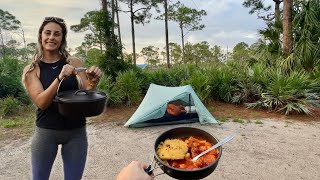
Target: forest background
(279, 72)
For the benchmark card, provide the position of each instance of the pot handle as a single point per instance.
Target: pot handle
(59, 85)
(80, 91)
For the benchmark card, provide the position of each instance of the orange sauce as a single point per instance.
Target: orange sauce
(195, 147)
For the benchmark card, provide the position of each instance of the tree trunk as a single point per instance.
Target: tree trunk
(182, 39)
(287, 27)
(101, 46)
(277, 9)
(132, 33)
(166, 29)
(25, 46)
(112, 16)
(104, 5)
(3, 46)
(118, 22)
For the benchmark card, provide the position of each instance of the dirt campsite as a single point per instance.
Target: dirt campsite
(266, 146)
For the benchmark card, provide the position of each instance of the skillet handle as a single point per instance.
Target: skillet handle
(147, 170)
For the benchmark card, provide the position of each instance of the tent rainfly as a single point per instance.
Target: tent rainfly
(152, 110)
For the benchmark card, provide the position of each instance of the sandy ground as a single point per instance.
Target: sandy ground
(272, 150)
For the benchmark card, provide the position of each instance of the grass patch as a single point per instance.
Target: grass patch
(237, 120)
(258, 122)
(8, 123)
(223, 119)
(211, 108)
(19, 126)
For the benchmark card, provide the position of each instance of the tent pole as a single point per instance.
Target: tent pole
(190, 105)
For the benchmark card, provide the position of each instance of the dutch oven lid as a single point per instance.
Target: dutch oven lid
(80, 96)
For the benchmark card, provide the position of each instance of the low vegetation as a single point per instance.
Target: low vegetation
(259, 76)
(18, 125)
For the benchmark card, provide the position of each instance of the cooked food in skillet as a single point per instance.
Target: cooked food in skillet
(179, 152)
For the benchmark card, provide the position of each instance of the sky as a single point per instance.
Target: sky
(227, 22)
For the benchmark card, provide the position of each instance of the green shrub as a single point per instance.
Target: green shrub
(199, 82)
(222, 82)
(9, 106)
(105, 85)
(161, 77)
(250, 84)
(246, 92)
(171, 77)
(288, 93)
(143, 76)
(127, 88)
(10, 77)
(24, 98)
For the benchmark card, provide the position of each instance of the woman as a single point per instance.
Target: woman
(53, 69)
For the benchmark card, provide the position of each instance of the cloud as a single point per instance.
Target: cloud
(212, 7)
(31, 13)
(227, 22)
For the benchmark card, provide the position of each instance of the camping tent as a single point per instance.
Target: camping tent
(152, 110)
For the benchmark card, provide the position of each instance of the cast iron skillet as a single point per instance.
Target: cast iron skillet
(181, 173)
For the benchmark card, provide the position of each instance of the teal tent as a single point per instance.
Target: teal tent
(152, 110)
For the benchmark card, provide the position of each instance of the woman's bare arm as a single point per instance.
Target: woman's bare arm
(40, 97)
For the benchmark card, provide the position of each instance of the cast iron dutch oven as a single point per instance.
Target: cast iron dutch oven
(80, 103)
(181, 132)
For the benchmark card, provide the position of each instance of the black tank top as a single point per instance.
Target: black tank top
(50, 118)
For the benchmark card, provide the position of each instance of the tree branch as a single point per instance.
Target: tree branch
(140, 9)
(121, 10)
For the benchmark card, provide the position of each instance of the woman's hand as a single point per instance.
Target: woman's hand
(67, 70)
(93, 75)
(134, 171)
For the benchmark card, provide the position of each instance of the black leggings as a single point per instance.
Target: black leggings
(44, 149)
